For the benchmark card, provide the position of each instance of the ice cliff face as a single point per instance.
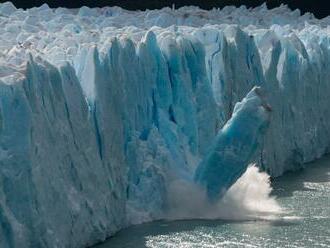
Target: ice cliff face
(101, 109)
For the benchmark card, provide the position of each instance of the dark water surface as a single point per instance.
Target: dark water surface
(305, 196)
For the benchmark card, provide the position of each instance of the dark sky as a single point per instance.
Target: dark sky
(320, 8)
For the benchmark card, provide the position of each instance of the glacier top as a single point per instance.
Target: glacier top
(59, 34)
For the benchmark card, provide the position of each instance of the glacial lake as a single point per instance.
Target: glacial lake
(304, 195)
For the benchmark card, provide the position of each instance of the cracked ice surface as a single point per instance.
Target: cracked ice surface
(101, 108)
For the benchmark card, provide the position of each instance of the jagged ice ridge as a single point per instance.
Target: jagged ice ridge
(101, 109)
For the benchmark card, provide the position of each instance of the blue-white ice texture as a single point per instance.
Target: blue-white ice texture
(235, 145)
(101, 109)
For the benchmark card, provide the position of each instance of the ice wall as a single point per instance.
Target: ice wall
(101, 109)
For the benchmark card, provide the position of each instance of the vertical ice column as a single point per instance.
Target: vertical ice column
(234, 145)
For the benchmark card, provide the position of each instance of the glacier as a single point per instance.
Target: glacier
(102, 109)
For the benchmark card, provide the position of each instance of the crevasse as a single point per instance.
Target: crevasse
(101, 109)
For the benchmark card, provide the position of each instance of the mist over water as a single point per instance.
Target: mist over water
(248, 199)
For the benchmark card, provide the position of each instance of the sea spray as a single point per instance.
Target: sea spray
(248, 199)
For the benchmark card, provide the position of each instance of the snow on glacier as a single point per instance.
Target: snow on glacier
(103, 109)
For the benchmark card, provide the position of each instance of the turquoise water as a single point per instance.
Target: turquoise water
(304, 195)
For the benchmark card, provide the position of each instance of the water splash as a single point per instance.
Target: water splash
(248, 199)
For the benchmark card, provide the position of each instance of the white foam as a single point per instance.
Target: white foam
(248, 199)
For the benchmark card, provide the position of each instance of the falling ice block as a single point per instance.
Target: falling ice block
(235, 145)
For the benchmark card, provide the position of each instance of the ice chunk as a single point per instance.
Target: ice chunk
(7, 8)
(234, 146)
